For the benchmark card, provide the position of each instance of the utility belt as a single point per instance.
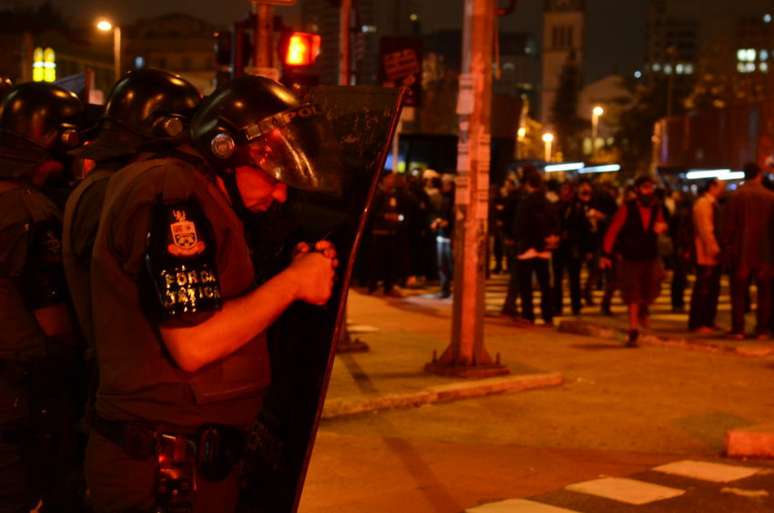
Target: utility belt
(183, 455)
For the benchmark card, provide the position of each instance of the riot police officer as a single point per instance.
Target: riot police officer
(39, 353)
(179, 320)
(147, 112)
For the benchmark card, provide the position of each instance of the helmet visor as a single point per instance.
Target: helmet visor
(296, 147)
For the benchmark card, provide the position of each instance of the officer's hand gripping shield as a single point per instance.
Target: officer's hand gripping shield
(302, 343)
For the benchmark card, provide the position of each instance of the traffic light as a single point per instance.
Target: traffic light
(299, 52)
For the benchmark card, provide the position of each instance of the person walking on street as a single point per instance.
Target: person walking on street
(747, 234)
(509, 242)
(633, 233)
(575, 235)
(536, 234)
(704, 298)
(443, 225)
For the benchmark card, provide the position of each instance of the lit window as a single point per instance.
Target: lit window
(689, 69)
(680, 69)
(741, 55)
(767, 18)
(740, 67)
(43, 65)
(668, 69)
(751, 54)
(638, 74)
(657, 67)
(764, 67)
(763, 55)
(750, 67)
(368, 28)
(139, 62)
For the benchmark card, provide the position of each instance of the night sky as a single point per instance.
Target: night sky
(615, 28)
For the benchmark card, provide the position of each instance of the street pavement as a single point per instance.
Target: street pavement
(619, 413)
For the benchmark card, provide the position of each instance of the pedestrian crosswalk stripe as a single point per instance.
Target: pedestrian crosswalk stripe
(628, 491)
(518, 506)
(714, 472)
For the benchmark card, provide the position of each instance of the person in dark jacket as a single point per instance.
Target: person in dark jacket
(511, 206)
(747, 235)
(574, 246)
(633, 233)
(536, 233)
(443, 225)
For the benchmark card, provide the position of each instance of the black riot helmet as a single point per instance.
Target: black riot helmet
(146, 110)
(38, 122)
(258, 122)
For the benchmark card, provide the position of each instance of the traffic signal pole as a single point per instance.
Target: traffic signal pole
(263, 36)
(466, 355)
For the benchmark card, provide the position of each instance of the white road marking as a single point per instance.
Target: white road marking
(713, 472)
(750, 494)
(517, 506)
(628, 491)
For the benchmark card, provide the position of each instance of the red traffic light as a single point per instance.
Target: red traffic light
(302, 49)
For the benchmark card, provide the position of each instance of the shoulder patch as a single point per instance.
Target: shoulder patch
(184, 239)
(180, 262)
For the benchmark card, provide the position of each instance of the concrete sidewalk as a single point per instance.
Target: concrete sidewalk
(402, 335)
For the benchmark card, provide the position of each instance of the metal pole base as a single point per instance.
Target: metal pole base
(349, 345)
(483, 367)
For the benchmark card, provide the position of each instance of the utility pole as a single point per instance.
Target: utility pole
(345, 54)
(263, 35)
(466, 355)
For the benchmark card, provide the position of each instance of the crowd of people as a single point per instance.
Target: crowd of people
(629, 238)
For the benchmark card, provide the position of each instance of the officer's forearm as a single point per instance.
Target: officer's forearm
(239, 321)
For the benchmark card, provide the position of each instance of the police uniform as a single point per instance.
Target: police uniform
(39, 355)
(31, 278)
(81, 220)
(169, 251)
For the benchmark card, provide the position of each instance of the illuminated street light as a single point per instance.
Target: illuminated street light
(548, 140)
(105, 25)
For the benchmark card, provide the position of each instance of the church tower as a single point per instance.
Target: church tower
(563, 27)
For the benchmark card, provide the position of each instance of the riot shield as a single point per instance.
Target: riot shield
(302, 342)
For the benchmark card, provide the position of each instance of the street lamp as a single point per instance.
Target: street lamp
(596, 113)
(105, 25)
(548, 140)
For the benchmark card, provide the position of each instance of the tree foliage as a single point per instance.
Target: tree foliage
(564, 111)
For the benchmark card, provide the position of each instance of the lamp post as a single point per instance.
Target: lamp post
(596, 113)
(105, 25)
(548, 141)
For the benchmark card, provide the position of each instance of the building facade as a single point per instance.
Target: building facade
(563, 36)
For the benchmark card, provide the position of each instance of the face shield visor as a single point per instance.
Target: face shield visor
(296, 147)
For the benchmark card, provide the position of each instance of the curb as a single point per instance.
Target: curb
(751, 442)
(751, 350)
(346, 406)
